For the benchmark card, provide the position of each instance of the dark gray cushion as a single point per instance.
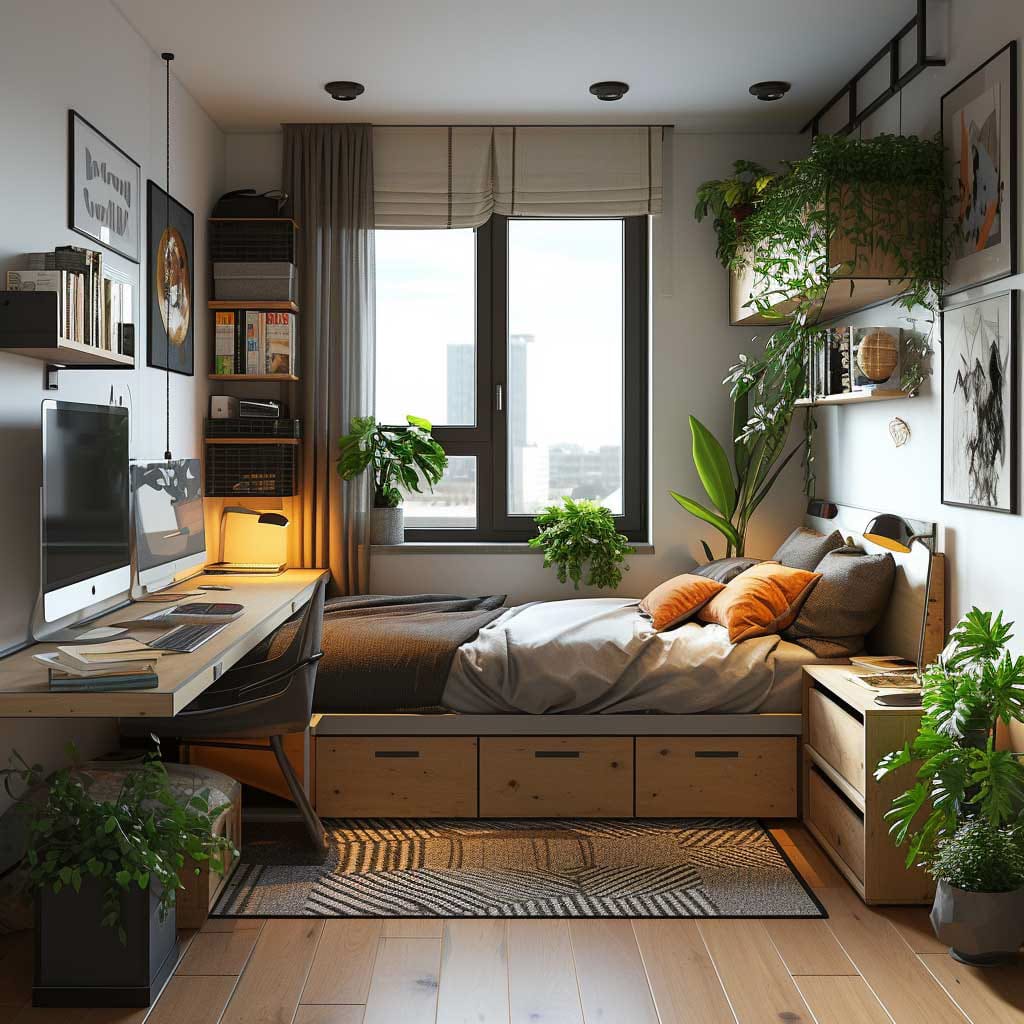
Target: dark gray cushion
(804, 549)
(846, 604)
(722, 570)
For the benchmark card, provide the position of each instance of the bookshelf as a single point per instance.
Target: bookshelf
(265, 378)
(852, 398)
(265, 306)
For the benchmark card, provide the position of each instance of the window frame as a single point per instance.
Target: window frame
(487, 440)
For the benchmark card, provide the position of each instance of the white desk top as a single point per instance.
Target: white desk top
(268, 601)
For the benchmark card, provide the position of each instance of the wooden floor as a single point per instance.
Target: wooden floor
(861, 966)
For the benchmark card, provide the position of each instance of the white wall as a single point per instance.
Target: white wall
(54, 56)
(692, 349)
(858, 463)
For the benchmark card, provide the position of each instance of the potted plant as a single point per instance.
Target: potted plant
(961, 775)
(979, 904)
(398, 457)
(730, 201)
(581, 534)
(105, 874)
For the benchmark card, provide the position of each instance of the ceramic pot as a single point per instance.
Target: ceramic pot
(387, 526)
(980, 928)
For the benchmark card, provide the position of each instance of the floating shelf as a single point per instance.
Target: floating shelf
(253, 440)
(254, 304)
(266, 378)
(852, 398)
(75, 355)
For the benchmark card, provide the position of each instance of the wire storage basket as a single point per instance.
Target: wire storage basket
(240, 470)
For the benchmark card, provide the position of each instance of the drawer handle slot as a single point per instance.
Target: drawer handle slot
(556, 753)
(396, 753)
(716, 753)
(838, 702)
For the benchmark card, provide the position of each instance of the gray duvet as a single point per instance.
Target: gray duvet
(599, 655)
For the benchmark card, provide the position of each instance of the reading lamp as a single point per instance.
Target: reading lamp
(262, 519)
(896, 534)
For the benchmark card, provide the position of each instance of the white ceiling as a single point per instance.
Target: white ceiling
(253, 64)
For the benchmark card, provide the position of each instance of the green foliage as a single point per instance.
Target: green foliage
(141, 838)
(578, 534)
(960, 773)
(729, 200)
(981, 857)
(398, 456)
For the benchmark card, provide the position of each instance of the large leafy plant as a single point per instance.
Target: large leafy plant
(730, 201)
(397, 455)
(975, 685)
(580, 535)
(141, 838)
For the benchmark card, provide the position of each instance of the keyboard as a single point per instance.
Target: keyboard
(185, 639)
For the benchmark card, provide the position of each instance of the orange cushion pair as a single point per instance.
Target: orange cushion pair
(678, 599)
(764, 599)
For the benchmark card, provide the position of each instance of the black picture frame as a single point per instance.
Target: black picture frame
(165, 213)
(1012, 299)
(990, 269)
(118, 189)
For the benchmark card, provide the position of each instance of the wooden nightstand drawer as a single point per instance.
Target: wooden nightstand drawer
(840, 825)
(836, 732)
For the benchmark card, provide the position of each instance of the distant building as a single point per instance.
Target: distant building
(460, 395)
(522, 479)
(578, 472)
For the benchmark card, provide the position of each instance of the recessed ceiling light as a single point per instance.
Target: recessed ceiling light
(769, 91)
(609, 91)
(345, 90)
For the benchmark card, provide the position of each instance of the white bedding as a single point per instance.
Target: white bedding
(599, 655)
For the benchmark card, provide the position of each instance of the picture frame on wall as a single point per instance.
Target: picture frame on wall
(980, 404)
(104, 190)
(170, 290)
(979, 132)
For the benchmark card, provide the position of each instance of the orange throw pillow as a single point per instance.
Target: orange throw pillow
(678, 599)
(764, 599)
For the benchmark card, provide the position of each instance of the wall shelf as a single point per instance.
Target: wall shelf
(74, 356)
(280, 306)
(253, 440)
(852, 398)
(266, 378)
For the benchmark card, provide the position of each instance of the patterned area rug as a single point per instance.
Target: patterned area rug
(528, 868)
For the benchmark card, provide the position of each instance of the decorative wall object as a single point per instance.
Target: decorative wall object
(979, 404)
(171, 282)
(104, 189)
(979, 130)
(899, 431)
(874, 358)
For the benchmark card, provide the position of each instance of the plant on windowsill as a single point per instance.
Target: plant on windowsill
(962, 777)
(398, 457)
(580, 535)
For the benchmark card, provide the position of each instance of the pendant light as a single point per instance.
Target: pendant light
(167, 58)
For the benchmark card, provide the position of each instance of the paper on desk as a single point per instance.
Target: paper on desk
(116, 650)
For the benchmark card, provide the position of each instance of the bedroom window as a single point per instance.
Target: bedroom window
(525, 344)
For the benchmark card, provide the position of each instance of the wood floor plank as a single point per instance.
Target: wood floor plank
(811, 861)
(329, 1015)
(891, 969)
(343, 964)
(474, 973)
(114, 1015)
(610, 971)
(414, 928)
(754, 977)
(16, 969)
(542, 985)
(915, 926)
(43, 1015)
(809, 947)
(211, 953)
(196, 1000)
(842, 1000)
(232, 924)
(988, 995)
(682, 976)
(404, 984)
(269, 989)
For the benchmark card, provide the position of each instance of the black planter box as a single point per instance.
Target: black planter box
(79, 962)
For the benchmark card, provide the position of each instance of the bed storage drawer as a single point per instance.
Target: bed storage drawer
(396, 777)
(840, 825)
(837, 735)
(716, 776)
(556, 776)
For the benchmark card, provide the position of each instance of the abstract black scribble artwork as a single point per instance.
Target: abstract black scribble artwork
(978, 442)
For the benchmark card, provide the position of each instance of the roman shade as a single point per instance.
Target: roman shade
(457, 176)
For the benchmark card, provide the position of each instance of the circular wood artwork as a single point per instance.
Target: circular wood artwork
(173, 285)
(878, 355)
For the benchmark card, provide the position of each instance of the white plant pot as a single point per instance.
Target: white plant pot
(980, 928)
(387, 526)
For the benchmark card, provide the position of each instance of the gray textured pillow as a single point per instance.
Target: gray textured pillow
(804, 549)
(846, 604)
(722, 570)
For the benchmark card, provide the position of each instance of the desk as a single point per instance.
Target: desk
(268, 601)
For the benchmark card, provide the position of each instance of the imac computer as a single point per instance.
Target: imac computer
(85, 556)
(170, 538)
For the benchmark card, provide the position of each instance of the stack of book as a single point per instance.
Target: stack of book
(121, 665)
(255, 343)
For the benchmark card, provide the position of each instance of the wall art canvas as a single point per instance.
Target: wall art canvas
(170, 292)
(104, 189)
(979, 131)
(979, 404)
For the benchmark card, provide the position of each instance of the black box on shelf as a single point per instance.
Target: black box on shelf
(252, 470)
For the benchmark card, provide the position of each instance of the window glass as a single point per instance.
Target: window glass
(452, 506)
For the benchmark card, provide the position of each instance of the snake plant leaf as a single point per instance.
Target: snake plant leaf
(695, 508)
(713, 468)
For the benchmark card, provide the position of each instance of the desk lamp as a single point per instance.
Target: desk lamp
(245, 543)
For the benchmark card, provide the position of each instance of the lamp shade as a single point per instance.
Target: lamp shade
(249, 535)
(893, 533)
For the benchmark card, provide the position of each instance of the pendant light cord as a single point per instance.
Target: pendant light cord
(167, 58)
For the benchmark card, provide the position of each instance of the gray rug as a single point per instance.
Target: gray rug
(525, 868)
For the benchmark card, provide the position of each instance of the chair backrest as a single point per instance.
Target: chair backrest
(303, 655)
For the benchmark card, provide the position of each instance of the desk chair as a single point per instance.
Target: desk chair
(271, 697)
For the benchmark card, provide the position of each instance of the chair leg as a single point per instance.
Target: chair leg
(313, 826)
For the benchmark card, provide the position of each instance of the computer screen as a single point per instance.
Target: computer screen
(169, 531)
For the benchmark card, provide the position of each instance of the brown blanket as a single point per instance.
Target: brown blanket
(391, 653)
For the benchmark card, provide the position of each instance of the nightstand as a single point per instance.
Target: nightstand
(845, 735)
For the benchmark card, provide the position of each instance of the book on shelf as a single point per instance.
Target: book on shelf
(280, 342)
(252, 342)
(80, 290)
(249, 341)
(224, 345)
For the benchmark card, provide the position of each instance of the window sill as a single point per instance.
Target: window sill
(473, 548)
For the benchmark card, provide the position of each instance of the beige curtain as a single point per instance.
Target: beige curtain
(328, 172)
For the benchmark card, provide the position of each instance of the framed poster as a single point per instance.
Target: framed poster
(979, 404)
(169, 294)
(979, 131)
(104, 190)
